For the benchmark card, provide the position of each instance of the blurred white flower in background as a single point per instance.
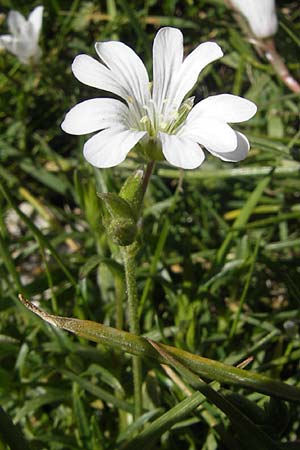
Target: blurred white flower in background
(24, 37)
(262, 20)
(260, 14)
(158, 116)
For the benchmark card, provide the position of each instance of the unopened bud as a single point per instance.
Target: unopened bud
(132, 191)
(118, 219)
(260, 14)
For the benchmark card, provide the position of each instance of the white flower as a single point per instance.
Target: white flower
(155, 116)
(24, 37)
(261, 16)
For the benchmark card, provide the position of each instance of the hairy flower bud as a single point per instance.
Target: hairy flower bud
(132, 191)
(119, 219)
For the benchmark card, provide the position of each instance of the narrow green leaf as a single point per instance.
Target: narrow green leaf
(138, 424)
(80, 415)
(9, 263)
(137, 345)
(50, 396)
(255, 437)
(260, 171)
(147, 438)
(47, 178)
(98, 392)
(243, 217)
(95, 260)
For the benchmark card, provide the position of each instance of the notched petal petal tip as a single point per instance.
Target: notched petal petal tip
(126, 68)
(215, 49)
(91, 72)
(187, 76)
(167, 61)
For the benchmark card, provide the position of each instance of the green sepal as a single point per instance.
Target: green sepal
(115, 206)
(132, 191)
(151, 150)
(119, 219)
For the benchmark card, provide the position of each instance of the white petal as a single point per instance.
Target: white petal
(181, 152)
(261, 16)
(167, 60)
(18, 47)
(36, 18)
(127, 69)
(17, 23)
(93, 115)
(111, 146)
(7, 42)
(92, 73)
(238, 154)
(226, 108)
(23, 51)
(189, 72)
(213, 134)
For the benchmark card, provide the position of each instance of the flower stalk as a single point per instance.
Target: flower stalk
(135, 195)
(121, 213)
(128, 254)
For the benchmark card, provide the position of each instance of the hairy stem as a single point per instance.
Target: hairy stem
(128, 254)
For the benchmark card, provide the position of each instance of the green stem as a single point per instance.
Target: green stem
(147, 176)
(119, 292)
(128, 254)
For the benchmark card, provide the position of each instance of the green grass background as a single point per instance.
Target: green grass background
(218, 273)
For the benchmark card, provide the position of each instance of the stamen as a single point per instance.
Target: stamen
(179, 117)
(144, 119)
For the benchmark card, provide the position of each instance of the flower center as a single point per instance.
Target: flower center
(168, 120)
